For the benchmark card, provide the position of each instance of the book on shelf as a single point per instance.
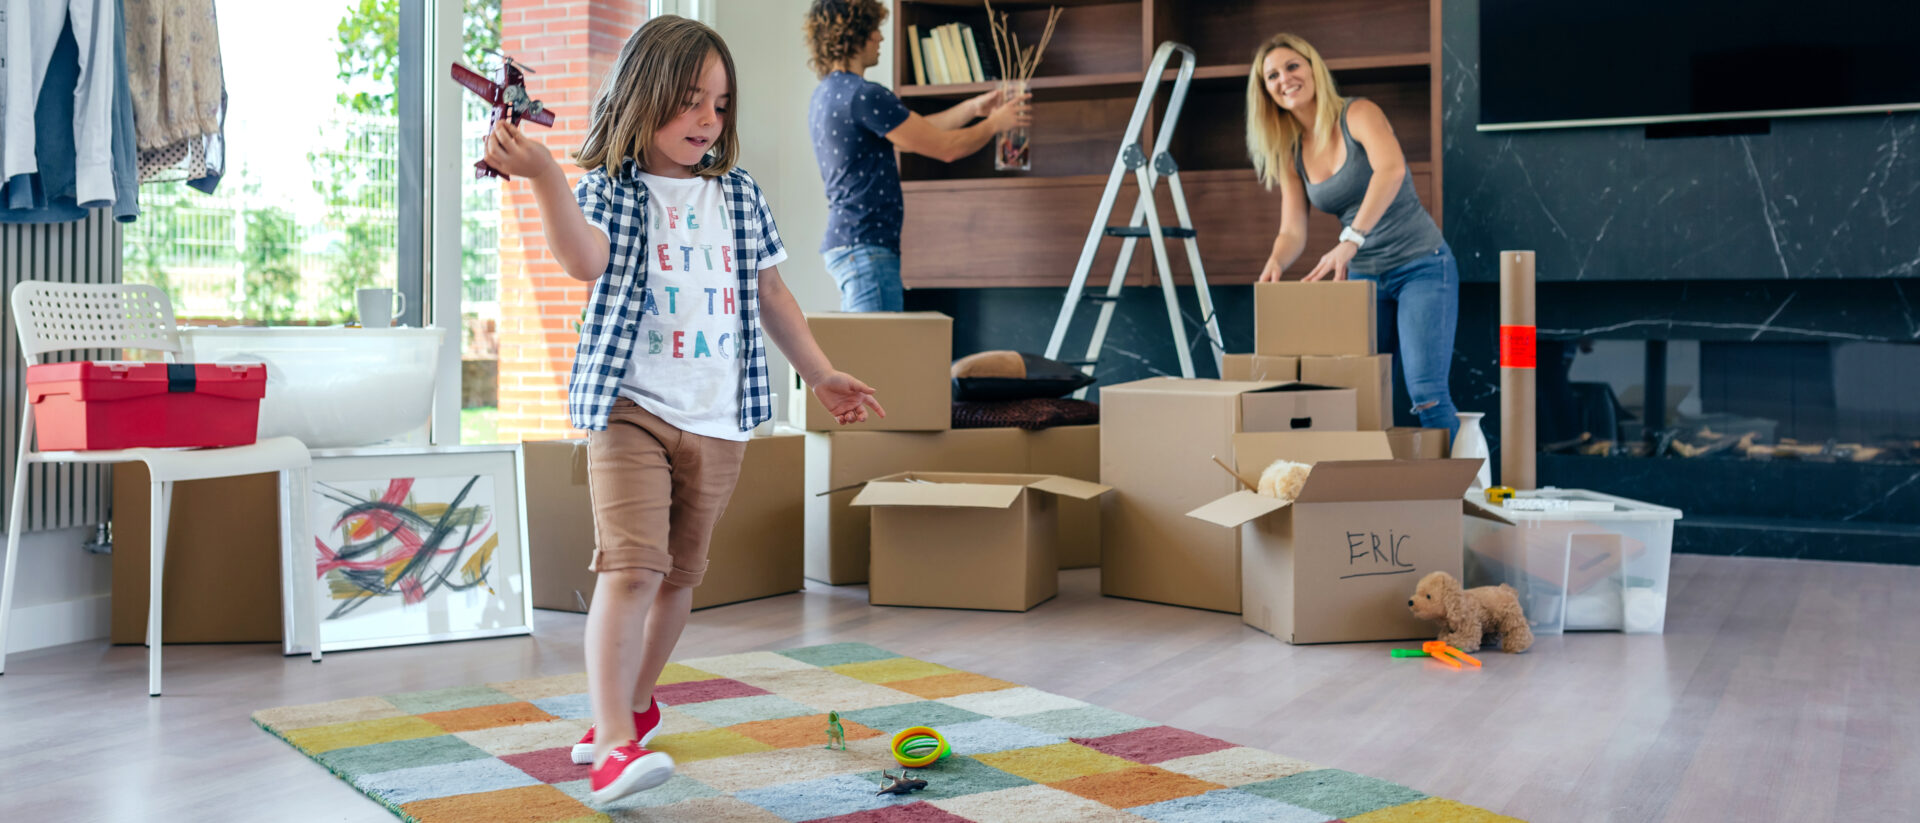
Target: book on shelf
(919, 66)
(936, 58)
(956, 56)
(973, 53)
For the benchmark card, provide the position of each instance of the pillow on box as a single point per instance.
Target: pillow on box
(1008, 375)
(1033, 413)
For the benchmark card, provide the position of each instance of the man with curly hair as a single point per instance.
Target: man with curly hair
(856, 126)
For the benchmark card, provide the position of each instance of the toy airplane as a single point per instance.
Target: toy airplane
(508, 96)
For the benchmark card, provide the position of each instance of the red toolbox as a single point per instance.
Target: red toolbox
(95, 405)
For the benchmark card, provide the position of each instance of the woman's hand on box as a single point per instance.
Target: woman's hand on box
(1333, 265)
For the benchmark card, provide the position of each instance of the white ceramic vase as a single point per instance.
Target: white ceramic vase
(1472, 442)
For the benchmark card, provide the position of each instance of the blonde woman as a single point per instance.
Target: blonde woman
(1340, 156)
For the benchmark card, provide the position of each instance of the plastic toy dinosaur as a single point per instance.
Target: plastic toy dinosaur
(836, 733)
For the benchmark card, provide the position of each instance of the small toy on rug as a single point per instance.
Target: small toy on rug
(919, 746)
(1466, 615)
(900, 785)
(836, 733)
(1283, 479)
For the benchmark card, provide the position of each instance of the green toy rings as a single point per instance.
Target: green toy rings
(919, 746)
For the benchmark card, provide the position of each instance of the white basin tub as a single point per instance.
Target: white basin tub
(332, 386)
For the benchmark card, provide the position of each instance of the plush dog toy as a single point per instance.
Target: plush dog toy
(1465, 615)
(1283, 479)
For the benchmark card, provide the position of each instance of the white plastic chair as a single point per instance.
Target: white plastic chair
(53, 317)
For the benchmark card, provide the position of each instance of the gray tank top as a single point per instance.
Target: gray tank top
(1405, 231)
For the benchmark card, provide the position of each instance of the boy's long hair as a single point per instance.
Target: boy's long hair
(649, 86)
(1273, 135)
(836, 30)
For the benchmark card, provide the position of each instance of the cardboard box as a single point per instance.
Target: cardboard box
(1371, 378)
(1410, 443)
(906, 356)
(966, 540)
(1259, 367)
(838, 462)
(223, 559)
(1338, 564)
(756, 550)
(1331, 318)
(1157, 440)
(1071, 451)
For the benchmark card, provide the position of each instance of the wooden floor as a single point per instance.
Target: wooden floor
(1782, 690)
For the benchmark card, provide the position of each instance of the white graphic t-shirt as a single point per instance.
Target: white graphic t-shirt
(686, 365)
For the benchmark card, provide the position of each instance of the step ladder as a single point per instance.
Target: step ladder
(1145, 224)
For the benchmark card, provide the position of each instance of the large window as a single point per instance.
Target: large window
(307, 210)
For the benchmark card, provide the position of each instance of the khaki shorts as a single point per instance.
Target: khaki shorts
(657, 493)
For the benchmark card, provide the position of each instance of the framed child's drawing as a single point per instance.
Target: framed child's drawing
(412, 545)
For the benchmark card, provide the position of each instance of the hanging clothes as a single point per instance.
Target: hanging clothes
(33, 32)
(179, 90)
(52, 194)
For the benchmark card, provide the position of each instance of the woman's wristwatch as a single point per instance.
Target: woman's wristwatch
(1349, 234)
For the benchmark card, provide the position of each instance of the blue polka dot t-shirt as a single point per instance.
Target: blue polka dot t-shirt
(850, 118)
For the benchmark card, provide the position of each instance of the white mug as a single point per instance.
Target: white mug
(378, 307)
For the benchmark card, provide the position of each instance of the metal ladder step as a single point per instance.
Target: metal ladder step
(1177, 232)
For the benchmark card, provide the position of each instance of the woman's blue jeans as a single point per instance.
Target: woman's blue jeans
(868, 276)
(1419, 307)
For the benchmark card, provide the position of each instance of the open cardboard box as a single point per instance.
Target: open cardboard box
(837, 463)
(966, 540)
(1157, 436)
(1338, 563)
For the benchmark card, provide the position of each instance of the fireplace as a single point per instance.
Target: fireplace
(1788, 414)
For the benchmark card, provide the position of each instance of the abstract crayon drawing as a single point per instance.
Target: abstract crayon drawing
(416, 559)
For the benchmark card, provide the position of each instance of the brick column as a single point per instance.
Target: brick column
(570, 45)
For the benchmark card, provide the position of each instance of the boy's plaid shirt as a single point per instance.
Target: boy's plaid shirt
(618, 203)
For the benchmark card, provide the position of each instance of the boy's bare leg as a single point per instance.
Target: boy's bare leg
(665, 621)
(617, 640)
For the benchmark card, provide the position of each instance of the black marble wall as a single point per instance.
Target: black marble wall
(1815, 197)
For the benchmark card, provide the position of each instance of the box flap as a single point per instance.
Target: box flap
(1254, 451)
(1484, 510)
(1199, 386)
(950, 495)
(1238, 508)
(1373, 480)
(1296, 386)
(1069, 487)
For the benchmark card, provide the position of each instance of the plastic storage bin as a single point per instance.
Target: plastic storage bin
(1579, 570)
(94, 405)
(332, 386)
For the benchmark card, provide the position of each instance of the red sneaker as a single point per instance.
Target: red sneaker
(629, 769)
(646, 724)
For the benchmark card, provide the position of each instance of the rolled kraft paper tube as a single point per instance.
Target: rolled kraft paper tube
(1517, 410)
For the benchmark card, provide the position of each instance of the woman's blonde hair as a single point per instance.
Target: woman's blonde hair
(1273, 135)
(649, 86)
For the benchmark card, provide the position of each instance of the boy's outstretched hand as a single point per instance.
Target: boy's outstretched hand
(846, 398)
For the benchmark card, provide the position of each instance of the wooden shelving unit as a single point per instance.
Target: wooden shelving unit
(970, 226)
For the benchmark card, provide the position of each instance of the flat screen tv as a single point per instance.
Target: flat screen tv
(1557, 63)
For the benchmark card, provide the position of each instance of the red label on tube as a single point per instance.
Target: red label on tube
(1516, 347)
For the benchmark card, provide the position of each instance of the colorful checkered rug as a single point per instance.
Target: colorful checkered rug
(748, 731)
